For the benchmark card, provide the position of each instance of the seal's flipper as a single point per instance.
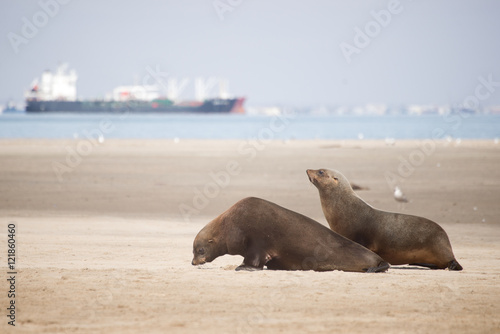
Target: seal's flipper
(382, 266)
(247, 268)
(454, 265)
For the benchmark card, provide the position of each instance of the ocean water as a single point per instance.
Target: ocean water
(227, 126)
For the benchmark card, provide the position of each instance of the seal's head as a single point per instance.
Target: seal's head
(327, 180)
(204, 248)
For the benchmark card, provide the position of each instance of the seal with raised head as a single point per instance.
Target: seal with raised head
(266, 234)
(397, 238)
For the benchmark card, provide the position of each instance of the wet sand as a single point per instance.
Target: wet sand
(104, 236)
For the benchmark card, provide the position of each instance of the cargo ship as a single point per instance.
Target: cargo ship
(56, 92)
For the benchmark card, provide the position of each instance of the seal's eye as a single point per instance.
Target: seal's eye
(320, 172)
(201, 251)
(336, 179)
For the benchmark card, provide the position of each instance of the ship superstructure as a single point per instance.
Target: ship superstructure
(56, 92)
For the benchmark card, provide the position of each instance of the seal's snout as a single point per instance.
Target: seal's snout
(197, 262)
(309, 172)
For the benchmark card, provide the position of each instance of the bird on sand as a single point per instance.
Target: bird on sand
(399, 196)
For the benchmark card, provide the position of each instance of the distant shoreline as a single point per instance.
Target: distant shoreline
(287, 126)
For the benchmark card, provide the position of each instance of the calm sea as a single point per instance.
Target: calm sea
(288, 126)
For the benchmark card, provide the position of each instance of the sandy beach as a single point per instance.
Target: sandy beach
(104, 236)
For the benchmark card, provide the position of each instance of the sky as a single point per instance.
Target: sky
(293, 53)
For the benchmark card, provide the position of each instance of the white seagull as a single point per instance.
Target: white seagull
(399, 196)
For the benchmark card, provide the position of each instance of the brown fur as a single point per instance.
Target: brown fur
(397, 238)
(266, 234)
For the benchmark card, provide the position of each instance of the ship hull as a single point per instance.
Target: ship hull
(208, 106)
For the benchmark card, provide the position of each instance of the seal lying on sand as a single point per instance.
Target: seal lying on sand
(266, 234)
(397, 238)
